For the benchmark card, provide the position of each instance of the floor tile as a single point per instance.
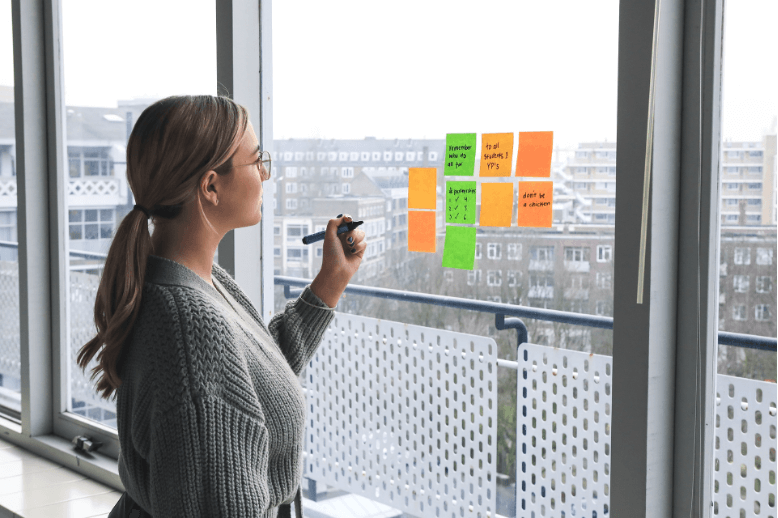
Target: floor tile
(44, 496)
(29, 481)
(88, 506)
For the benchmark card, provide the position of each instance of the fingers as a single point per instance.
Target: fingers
(353, 240)
(333, 224)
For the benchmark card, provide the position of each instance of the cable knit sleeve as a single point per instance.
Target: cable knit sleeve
(298, 329)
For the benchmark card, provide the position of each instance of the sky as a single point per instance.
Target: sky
(405, 68)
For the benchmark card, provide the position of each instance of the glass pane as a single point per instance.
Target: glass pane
(745, 384)
(170, 58)
(381, 105)
(10, 360)
(749, 115)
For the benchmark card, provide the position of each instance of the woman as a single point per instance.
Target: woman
(210, 412)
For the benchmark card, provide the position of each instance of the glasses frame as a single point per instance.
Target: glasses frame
(266, 162)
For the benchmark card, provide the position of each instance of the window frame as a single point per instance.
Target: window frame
(688, 69)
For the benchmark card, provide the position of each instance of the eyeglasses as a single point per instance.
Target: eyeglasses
(266, 164)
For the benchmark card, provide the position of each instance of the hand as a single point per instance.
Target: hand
(339, 263)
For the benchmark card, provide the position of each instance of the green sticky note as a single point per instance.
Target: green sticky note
(460, 154)
(459, 248)
(460, 202)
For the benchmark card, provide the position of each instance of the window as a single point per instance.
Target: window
(581, 154)
(494, 250)
(376, 156)
(762, 312)
(288, 156)
(541, 281)
(604, 280)
(739, 312)
(290, 172)
(387, 156)
(91, 223)
(291, 187)
(514, 278)
(753, 219)
(398, 155)
(755, 186)
(433, 156)
(764, 284)
(742, 255)
(604, 253)
(494, 278)
(321, 156)
(298, 156)
(332, 156)
(542, 253)
(740, 283)
(514, 251)
(319, 251)
(297, 254)
(755, 154)
(276, 230)
(764, 256)
(448, 275)
(277, 251)
(410, 156)
(89, 162)
(347, 172)
(755, 201)
(346, 188)
(473, 277)
(576, 254)
(291, 203)
(478, 250)
(603, 308)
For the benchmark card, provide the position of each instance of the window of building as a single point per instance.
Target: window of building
(346, 188)
(604, 308)
(410, 156)
(291, 203)
(755, 154)
(291, 187)
(347, 172)
(740, 283)
(296, 254)
(604, 253)
(541, 281)
(755, 186)
(494, 277)
(387, 156)
(276, 230)
(473, 277)
(762, 312)
(514, 251)
(478, 250)
(290, 172)
(513, 277)
(764, 284)
(764, 256)
(288, 156)
(89, 162)
(742, 255)
(494, 250)
(433, 156)
(739, 312)
(542, 253)
(581, 154)
(91, 223)
(576, 254)
(604, 280)
(277, 251)
(298, 156)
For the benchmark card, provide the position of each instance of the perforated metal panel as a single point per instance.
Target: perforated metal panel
(563, 432)
(404, 415)
(744, 448)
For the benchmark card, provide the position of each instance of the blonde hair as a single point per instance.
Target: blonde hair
(175, 141)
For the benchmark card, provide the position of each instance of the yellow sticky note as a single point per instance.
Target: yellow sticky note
(534, 155)
(421, 187)
(421, 231)
(535, 202)
(496, 154)
(496, 204)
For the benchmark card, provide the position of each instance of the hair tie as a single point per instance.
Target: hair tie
(146, 212)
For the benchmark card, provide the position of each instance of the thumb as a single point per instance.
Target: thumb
(332, 227)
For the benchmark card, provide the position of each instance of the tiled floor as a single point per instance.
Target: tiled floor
(33, 487)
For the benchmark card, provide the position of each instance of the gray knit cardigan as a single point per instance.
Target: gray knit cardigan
(210, 412)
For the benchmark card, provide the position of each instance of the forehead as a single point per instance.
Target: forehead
(249, 144)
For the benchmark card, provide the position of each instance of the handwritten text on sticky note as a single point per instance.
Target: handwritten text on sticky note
(460, 202)
(496, 154)
(535, 204)
(421, 187)
(460, 154)
(534, 155)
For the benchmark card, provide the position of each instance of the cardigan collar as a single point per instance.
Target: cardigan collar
(160, 270)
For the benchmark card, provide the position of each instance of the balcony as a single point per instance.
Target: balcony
(407, 416)
(96, 191)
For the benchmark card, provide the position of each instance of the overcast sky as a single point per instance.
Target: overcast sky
(404, 68)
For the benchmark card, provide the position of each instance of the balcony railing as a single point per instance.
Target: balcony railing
(368, 374)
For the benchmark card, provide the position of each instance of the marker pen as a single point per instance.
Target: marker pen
(318, 236)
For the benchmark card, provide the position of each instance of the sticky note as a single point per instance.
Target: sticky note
(421, 187)
(496, 204)
(460, 154)
(534, 155)
(535, 202)
(496, 154)
(460, 202)
(459, 248)
(421, 231)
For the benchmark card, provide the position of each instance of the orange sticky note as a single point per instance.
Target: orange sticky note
(421, 231)
(496, 204)
(421, 187)
(535, 202)
(534, 156)
(496, 154)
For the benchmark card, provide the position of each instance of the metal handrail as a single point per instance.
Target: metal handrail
(502, 310)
